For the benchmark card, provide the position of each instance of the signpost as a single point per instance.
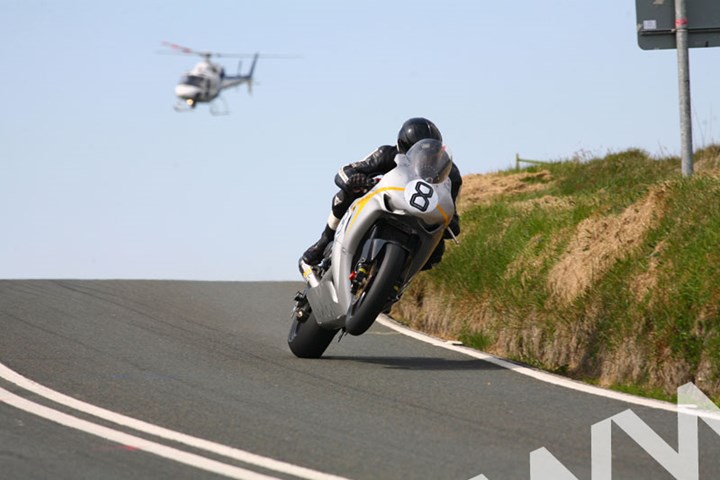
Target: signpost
(679, 24)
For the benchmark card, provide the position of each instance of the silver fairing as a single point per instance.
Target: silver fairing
(415, 206)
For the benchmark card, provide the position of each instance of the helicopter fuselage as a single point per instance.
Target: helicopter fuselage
(201, 84)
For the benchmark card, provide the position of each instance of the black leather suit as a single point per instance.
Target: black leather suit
(380, 162)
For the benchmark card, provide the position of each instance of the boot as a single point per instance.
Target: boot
(314, 254)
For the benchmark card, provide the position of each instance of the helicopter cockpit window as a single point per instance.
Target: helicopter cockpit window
(193, 80)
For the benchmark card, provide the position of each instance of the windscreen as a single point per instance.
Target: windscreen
(430, 160)
(193, 80)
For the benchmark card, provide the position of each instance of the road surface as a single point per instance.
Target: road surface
(209, 360)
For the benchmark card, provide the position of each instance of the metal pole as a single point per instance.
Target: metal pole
(683, 58)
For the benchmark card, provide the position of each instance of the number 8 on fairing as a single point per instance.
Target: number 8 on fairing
(422, 196)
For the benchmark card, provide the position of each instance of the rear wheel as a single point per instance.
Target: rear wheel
(379, 288)
(307, 339)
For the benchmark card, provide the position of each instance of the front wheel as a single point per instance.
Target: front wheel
(378, 290)
(307, 339)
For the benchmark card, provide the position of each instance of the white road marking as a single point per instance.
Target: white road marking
(231, 471)
(530, 372)
(125, 439)
(139, 425)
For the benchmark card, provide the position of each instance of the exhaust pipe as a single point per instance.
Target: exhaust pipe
(308, 273)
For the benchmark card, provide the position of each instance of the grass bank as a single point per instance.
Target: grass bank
(605, 270)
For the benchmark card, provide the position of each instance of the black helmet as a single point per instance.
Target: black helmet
(414, 130)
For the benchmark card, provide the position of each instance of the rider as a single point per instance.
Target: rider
(355, 179)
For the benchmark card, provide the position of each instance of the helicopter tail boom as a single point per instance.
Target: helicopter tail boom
(239, 79)
(250, 74)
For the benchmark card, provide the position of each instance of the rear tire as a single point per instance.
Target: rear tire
(378, 290)
(307, 339)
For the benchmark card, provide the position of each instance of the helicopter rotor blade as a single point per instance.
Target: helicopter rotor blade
(178, 48)
(252, 55)
(181, 50)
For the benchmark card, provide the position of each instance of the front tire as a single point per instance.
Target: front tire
(307, 339)
(379, 288)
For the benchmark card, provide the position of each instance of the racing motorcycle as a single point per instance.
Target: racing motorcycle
(381, 243)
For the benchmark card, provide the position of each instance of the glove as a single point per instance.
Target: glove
(359, 182)
(453, 226)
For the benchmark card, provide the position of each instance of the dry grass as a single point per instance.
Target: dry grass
(645, 282)
(478, 189)
(599, 242)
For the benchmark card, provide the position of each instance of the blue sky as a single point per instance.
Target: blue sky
(101, 178)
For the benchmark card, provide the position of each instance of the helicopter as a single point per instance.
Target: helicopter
(206, 80)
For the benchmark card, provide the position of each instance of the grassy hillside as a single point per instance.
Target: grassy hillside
(605, 270)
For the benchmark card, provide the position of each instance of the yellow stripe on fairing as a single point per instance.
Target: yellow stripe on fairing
(445, 215)
(361, 204)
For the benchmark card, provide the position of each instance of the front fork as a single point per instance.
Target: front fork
(359, 275)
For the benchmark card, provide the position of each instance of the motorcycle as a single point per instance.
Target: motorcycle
(381, 243)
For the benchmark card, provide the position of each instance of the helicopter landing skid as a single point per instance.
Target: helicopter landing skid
(218, 106)
(183, 106)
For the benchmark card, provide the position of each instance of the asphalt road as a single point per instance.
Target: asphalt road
(210, 360)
